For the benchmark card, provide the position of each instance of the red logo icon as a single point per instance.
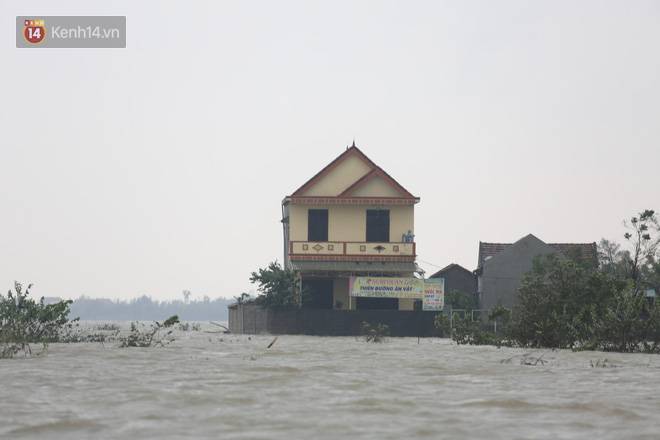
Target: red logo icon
(34, 31)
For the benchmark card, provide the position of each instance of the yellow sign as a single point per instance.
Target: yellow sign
(387, 287)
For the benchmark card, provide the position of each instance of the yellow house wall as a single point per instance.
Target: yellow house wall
(339, 178)
(349, 223)
(376, 187)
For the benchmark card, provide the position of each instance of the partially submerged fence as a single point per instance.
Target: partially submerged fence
(253, 319)
(474, 315)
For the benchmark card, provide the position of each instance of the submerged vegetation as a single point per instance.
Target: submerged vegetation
(570, 304)
(375, 332)
(24, 321)
(142, 335)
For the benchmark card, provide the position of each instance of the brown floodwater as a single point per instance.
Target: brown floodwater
(214, 386)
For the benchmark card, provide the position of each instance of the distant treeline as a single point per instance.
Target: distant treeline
(146, 309)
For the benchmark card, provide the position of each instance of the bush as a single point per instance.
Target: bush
(442, 323)
(375, 333)
(566, 305)
(187, 327)
(471, 332)
(23, 321)
(142, 336)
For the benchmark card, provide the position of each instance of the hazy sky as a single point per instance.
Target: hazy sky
(162, 166)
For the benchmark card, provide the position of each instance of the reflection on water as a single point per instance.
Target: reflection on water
(230, 386)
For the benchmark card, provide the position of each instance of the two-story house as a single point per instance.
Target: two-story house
(350, 219)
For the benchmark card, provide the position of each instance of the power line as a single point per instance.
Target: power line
(430, 264)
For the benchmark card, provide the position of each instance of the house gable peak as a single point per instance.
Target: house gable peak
(352, 175)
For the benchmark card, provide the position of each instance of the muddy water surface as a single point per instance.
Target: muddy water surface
(223, 386)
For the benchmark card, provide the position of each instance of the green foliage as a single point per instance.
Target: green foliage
(500, 314)
(142, 336)
(565, 302)
(630, 324)
(442, 324)
(375, 333)
(278, 287)
(459, 300)
(24, 321)
(564, 305)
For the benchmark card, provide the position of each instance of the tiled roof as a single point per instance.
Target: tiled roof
(586, 252)
(446, 268)
(490, 250)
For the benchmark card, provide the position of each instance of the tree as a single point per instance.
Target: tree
(186, 296)
(644, 245)
(459, 300)
(611, 258)
(278, 287)
(562, 304)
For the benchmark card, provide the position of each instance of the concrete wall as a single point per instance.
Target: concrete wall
(501, 275)
(349, 223)
(328, 322)
(247, 318)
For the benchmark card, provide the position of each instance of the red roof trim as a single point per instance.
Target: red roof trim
(322, 200)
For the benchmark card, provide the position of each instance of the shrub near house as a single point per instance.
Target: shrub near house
(563, 303)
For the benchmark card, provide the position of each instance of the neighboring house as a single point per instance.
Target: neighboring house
(502, 266)
(457, 278)
(350, 219)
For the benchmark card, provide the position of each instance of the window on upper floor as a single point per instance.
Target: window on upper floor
(378, 225)
(317, 225)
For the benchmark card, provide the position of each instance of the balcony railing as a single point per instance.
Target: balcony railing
(350, 249)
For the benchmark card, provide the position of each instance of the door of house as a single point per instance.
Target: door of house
(319, 293)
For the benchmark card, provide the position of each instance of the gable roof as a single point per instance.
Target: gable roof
(374, 171)
(585, 252)
(374, 174)
(448, 268)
